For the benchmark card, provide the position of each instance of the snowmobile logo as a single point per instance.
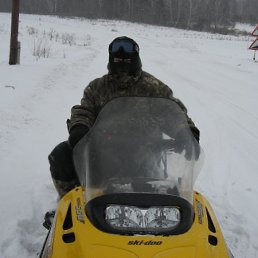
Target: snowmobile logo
(79, 213)
(142, 242)
(199, 211)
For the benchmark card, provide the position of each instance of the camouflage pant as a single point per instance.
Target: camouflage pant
(62, 168)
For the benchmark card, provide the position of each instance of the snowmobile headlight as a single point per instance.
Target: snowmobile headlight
(162, 217)
(120, 216)
(140, 219)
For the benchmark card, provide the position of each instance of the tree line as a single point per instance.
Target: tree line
(207, 15)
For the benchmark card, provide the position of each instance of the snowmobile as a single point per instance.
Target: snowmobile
(136, 167)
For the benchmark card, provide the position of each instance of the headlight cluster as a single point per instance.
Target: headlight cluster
(131, 217)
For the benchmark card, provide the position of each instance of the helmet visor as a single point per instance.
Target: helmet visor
(123, 45)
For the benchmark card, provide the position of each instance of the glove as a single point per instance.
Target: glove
(196, 133)
(76, 134)
(185, 142)
(182, 142)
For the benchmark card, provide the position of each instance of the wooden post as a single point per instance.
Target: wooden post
(14, 57)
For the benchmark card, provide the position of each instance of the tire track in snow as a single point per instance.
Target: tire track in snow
(26, 232)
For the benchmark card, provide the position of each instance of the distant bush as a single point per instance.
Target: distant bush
(41, 48)
(32, 30)
(68, 38)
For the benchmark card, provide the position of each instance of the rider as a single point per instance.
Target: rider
(125, 78)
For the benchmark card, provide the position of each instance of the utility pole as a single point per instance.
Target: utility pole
(14, 57)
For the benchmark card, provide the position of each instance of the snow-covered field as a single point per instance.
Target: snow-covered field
(213, 75)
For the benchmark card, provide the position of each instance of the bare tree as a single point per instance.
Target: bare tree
(190, 14)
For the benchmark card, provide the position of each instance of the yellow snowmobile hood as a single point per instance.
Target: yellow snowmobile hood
(73, 236)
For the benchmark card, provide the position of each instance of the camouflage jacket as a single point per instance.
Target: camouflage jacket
(102, 90)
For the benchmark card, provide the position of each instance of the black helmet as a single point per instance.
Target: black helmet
(124, 56)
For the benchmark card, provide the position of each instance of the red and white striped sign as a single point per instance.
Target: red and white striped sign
(254, 45)
(255, 32)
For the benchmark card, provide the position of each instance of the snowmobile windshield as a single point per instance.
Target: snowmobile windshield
(138, 145)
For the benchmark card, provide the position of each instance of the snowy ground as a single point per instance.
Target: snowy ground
(213, 75)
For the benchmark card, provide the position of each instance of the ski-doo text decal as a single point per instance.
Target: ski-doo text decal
(79, 212)
(142, 242)
(199, 211)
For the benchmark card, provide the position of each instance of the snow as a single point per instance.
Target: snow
(214, 75)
